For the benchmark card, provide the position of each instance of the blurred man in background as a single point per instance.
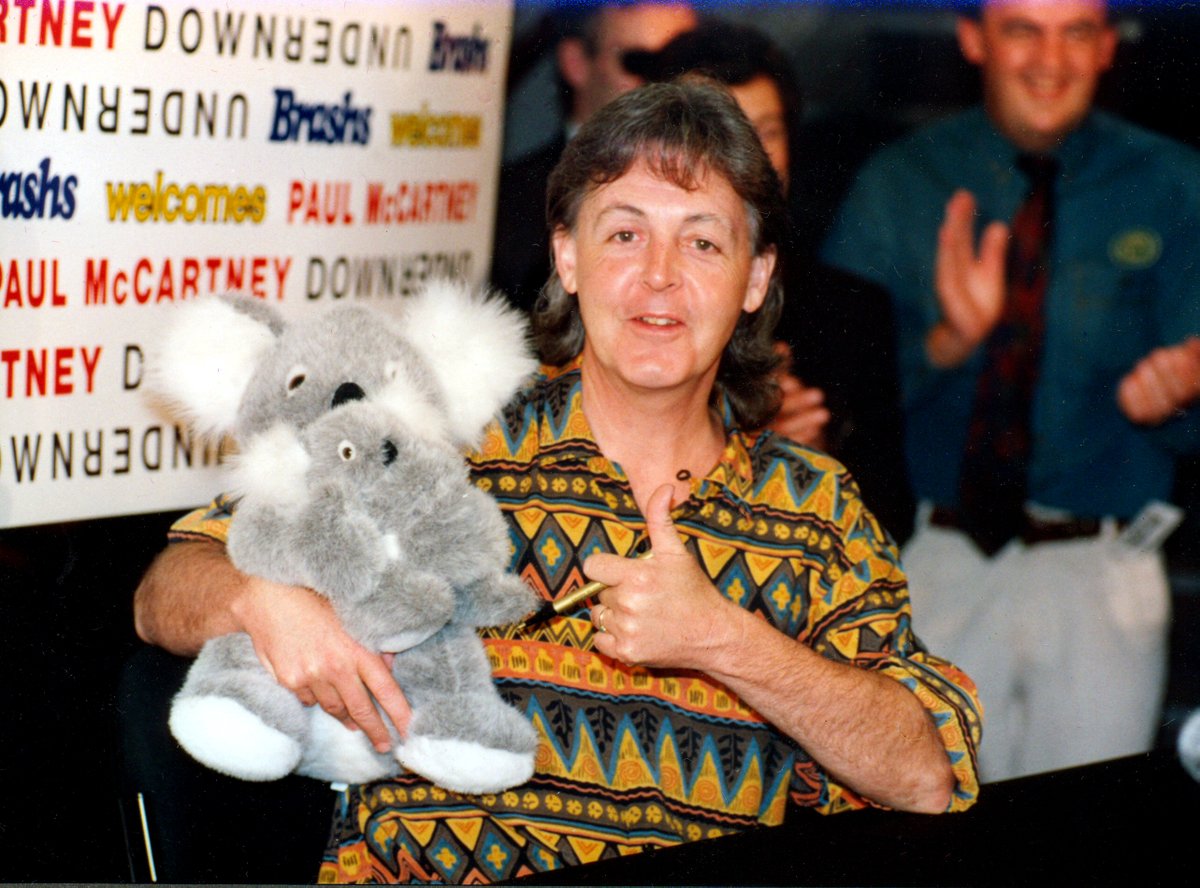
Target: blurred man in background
(1040, 258)
(839, 380)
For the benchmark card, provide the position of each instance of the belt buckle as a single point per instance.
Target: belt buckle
(1040, 530)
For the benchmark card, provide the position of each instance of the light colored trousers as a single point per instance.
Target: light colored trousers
(1067, 642)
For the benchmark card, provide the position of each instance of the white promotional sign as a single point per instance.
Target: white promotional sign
(302, 152)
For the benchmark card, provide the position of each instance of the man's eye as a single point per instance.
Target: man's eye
(623, 237)
(704, 245)
(1083, 33)
(1019, 30)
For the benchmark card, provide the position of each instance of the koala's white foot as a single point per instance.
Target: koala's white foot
(337, 754)
(463, 766)
(227, 737)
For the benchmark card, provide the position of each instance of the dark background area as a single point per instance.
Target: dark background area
(66, 626)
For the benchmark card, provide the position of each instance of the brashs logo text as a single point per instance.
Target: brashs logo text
(37, 195)
(297, 121)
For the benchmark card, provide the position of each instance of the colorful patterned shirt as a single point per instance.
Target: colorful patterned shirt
(629, 757)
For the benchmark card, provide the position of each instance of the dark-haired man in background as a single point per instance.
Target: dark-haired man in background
(589, 57)
(841, 392)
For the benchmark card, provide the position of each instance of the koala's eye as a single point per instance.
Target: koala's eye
(389, 452)
(347, 451)
(295, 379)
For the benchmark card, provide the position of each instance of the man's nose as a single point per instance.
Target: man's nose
(661, 269)
(1051, 52)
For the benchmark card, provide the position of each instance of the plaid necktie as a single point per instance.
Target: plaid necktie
(995, 468)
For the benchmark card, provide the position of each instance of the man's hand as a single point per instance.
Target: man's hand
(802, 412)
(1163, 382)
(868, 730)
(301, 642)
(970, 283)
(661, 611)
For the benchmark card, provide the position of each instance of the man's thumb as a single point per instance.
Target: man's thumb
(659, 525)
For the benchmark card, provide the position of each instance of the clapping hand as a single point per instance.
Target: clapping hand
(802, 412)
(970, 282)
(1163, 382)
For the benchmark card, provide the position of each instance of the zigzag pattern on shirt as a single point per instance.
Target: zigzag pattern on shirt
(702, 786)
(444, 837)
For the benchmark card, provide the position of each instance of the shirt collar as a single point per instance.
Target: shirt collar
(1072, 154)
(565, 437)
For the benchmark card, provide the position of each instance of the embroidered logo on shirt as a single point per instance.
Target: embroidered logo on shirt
(1135, 248)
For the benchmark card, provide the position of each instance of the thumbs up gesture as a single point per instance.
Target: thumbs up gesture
(661, 611)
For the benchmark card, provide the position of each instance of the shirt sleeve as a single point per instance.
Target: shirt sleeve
(860, 240)
(1177, 297)
(209, 522)
(865, 619)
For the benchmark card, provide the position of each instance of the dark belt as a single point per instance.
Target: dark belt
(1033, 530)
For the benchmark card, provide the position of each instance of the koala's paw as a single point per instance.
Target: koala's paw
(402, 641)
(495, 600)
(227, 737)
(518, 599)
(463, 766)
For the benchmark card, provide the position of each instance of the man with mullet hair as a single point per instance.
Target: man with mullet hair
(762, 659)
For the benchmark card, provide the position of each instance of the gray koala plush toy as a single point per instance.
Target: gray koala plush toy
(350, 481)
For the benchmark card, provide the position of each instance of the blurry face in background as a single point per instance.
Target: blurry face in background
(1041, 62)
(760, 101)
(599, 77)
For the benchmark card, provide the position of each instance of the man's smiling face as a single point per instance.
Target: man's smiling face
(1041, 62)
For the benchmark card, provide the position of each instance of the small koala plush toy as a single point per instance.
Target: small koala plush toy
(349, 481)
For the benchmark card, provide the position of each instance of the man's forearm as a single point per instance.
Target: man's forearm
(188, 596)
(865, 729)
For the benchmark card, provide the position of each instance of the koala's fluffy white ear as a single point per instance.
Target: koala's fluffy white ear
(477, 347)
(270, 469)
(204, 361)
(408, 402)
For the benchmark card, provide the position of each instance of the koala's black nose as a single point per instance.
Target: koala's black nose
(347, 391)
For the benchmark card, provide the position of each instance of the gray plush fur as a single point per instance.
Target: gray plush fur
(368, 502)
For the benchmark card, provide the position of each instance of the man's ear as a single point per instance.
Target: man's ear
(1108, 46)
(970, 40)
(573, 62)
(562, 243)
(761, 267)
